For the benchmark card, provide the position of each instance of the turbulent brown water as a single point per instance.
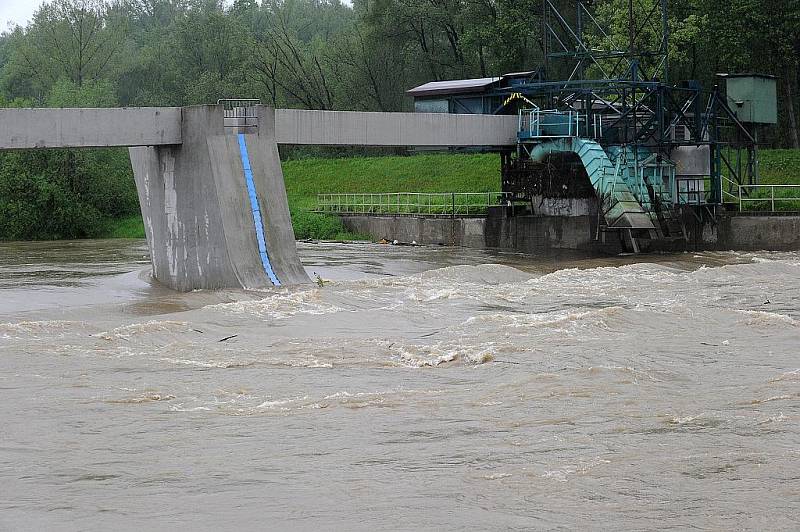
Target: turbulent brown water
(421, 388)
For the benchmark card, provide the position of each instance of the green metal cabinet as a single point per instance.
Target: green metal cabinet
(753, 97)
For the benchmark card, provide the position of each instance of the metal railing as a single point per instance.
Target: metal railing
(751, 194)
(239, 113)
(412, 203)
(538, 123)
(552, 123)
(690, 191)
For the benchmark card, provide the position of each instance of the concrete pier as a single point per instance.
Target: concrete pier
(203, 229)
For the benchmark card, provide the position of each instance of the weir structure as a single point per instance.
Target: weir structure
(209, 177)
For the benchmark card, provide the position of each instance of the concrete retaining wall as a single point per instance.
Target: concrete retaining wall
(537, 234)
(745, 233)
(467, 232)
(528, 234)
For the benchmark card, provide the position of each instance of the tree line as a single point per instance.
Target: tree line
(324, 54)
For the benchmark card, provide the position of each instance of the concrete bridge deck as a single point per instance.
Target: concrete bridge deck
(85, 128)
(162, 126)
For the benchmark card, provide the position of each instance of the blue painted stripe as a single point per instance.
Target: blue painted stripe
(257, 219)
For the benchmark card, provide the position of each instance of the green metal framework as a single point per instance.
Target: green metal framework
(617, 97)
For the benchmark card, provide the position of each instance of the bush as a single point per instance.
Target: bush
(316, 226)
(311, 225)
(57, 194)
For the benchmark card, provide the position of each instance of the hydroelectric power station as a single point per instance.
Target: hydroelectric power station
(601, 119)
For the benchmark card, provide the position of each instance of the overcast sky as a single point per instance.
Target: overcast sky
(16, 11)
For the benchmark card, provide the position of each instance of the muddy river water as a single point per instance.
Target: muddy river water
(419, 388)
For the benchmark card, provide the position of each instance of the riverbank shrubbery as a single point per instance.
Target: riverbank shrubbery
(64, 194)
(316, 226)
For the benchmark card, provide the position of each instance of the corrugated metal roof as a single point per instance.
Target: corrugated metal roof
(748, 75)
(520, 74)
(452, 87)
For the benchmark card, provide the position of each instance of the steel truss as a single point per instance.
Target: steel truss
(622, 93)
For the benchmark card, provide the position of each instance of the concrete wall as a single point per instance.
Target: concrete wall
(335, 128)
(536, 234)
(742, 233)
(527, 234)
(564, 206)
(779, 233)
(468, 232)
(82, 128)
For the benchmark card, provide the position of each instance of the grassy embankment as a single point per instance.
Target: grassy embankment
(778, 167)
(305, 178)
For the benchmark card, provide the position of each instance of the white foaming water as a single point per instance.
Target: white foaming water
(420, 388)
(280, 306)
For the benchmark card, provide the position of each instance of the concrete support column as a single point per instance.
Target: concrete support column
(206, 229)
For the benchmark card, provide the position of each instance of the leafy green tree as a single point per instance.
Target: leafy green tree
(94, 93)
(68, 39)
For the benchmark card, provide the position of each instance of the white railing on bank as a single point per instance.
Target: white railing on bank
(412, 203)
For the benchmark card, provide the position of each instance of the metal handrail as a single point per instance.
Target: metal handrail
(239, 112)
(530, 122)
(412, 203)
(772, 198)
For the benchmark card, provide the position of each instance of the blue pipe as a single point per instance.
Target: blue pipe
(254, 207)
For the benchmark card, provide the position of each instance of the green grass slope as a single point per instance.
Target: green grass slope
(780, 167)
(305, 178)
(777, 167)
